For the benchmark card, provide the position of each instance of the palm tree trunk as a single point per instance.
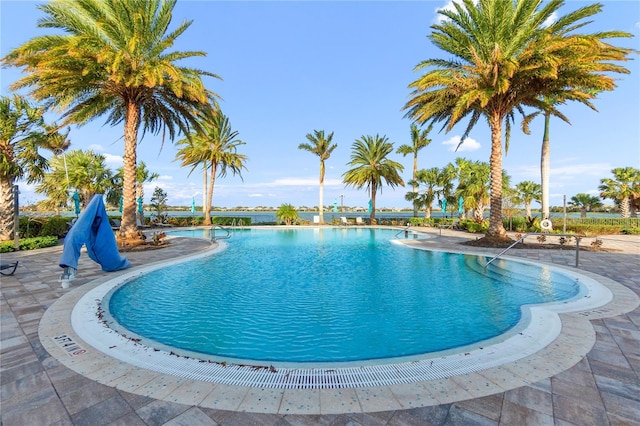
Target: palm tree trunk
(527, 210)
(204, 185)
(415, 186)
(212, 179)
(427, 212)
(372, 215)
(545, 167)
(128, 227)
(625, 211)
(495, 213)
(321, 201)
(7, 220)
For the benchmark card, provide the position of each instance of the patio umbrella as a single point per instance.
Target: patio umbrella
(139, 204)
(76, 202)
(193, 205)
(335, 206)
(444, 205)
(460, 205)
(370, 206)
(121, 201)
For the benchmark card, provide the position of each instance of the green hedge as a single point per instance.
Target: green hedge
(29, 244)
(231, 221)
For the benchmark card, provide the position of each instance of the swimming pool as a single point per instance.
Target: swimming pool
(329, 295)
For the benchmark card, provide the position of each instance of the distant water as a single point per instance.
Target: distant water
(329, 216)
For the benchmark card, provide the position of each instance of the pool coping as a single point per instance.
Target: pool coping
(576, 338)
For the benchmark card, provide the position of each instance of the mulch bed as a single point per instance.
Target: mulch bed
(504, 243)
(143, 247)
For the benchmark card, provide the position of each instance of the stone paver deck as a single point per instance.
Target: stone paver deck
(37, 389)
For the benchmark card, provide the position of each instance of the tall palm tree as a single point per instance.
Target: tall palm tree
(586, 63)
(623, 188)
(419, 140)
(506, 58)
(528, 191)
(23, 136)
(322, 147)
(112, 58)
(370, 166)
(214, 148)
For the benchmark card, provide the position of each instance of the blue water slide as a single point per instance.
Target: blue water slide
(93, 230)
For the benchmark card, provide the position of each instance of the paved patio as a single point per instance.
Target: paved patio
(37, 389)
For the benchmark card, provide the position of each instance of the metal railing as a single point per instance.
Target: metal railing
(404, 231)
(521, 239)
(214, 237)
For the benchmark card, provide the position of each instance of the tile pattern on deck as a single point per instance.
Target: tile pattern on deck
(36, 388)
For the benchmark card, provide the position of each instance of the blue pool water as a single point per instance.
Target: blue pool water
(330, 295)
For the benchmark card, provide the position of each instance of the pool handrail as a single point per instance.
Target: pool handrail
(223, 237)
(521, 239)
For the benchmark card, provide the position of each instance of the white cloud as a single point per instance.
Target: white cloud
(113, 160)
(532, 172)
(550, 20)
(255, 195)
(448, 5)
(293, 181)
(165, 177)
(96, 147)
(468, 145)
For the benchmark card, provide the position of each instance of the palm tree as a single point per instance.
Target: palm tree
(287, 213)
(528, 191)
(623, 189)
(215, 148)
(585, 64)
(473, 186)
(371, 166)
(111, 59)
(425, 197)
(585, 202)
(323, 148)
(506, 58)
(23, 134)
(419, 140)
(86, 171)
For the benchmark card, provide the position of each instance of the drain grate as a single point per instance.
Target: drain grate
(305, 378)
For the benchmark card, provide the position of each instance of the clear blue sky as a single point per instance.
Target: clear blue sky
(291, 67)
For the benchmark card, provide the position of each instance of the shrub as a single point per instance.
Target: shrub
(475, 227)
(31, 226)
(231, 221)
(287, 213)
(29, 244)
(597, 244)
(56, 225)
(518, 224)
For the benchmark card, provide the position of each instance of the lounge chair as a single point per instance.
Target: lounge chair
(115, 224)
(359, 221)
(8, 268)
(344, 221)
(140, 225)
(161, 224)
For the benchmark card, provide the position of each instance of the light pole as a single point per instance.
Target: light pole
(342, 203)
